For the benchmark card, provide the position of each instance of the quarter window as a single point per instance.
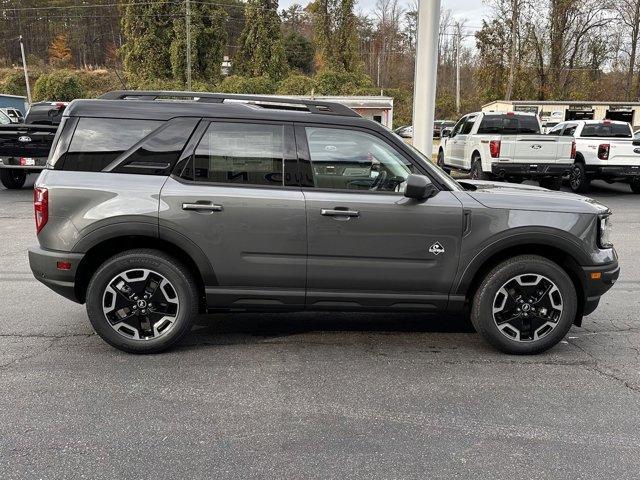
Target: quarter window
(354, 160)
(97, 142)
(240, 153)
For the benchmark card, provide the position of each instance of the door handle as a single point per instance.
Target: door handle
(327, 212)
(206, 207)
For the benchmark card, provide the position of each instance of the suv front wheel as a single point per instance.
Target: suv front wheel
(142, 301)
(525, 305)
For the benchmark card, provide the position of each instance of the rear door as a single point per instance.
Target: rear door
(369, 246)
(234, 196)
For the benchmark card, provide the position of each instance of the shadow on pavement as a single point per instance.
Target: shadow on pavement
(219, 327)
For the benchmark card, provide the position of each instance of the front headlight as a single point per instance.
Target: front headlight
(604, 231)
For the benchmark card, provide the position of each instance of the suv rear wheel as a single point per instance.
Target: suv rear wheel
(525, 305)
(142, 301)
(13, 179)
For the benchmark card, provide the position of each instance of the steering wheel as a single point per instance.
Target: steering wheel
(379, 181)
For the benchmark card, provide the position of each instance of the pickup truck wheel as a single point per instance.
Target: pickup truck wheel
(440, 162)
(476, 169)
(578, 180)
(142, 301)
(13, 179)
(525, 305)
(635, 185)
(552, 183)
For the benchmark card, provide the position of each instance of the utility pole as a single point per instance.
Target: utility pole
(458, 41)
(26, 73)
(188, 22)
(425, 77)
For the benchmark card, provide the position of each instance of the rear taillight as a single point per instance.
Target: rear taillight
(41, 207)
(573, 149)
(494, 148)
(603, 151)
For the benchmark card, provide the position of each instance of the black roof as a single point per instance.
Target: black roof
(167, 105)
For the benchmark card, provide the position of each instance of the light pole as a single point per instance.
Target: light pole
(26, 73)
(425, 76)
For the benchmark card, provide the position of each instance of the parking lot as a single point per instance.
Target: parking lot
(315, 395)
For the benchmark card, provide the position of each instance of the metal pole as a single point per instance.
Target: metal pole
(26, 73)
(425, 77)
(458, 39)
(188, 21)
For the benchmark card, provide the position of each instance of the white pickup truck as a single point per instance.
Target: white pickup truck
(605, 149)
(508, 146)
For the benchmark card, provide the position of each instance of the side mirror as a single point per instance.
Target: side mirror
(418, 187)
(636, 142)
(445, 132)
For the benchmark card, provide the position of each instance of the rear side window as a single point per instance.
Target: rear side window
(239, 153)
(97, 142)
(597, 130)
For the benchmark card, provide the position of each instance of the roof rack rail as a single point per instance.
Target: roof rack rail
(313, 106)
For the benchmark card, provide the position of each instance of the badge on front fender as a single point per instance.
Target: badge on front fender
(436, 248)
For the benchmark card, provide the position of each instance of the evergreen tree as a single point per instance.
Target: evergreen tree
(335, 35)
(261, 47)
(208, 43)
(148, 33)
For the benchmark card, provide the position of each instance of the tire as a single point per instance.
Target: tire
(635, 185)
(173, 314)
(551, 183)
(440, 163)
(476, 169)
(534, 334)
(13, 179)
(578, 180)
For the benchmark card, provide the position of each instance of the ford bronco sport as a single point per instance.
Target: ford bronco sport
(156, 206)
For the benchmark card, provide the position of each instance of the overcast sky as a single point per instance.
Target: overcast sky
(473, 10)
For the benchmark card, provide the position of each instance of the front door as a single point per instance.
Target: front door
(369, 246)
(234, 199)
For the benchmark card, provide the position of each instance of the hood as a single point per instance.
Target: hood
(528, 197)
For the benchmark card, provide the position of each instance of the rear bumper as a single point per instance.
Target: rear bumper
(39, 163)
(615, 171)
(44, 265)
(597, 285)
(530, 170)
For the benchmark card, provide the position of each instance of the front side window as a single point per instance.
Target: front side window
(240, 153)
(468, 125)
(97, 142)
(569, 130)
(354, 160)
(4, 119)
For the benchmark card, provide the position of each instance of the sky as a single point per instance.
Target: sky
(473, 10)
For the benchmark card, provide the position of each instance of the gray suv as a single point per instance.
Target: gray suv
(157, 206)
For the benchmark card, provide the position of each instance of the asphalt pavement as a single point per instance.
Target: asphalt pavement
(306, 396)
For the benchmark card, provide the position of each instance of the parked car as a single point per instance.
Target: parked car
(507, 146)
(152, 211)
(405, 132)
(24, 147)
(605, 149)
(14, 114)
(440, 125)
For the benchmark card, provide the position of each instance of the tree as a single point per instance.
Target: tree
(148, 32)
(629, 13)
(59, 51)
(335, 34)
(299, 52)
(208, 43)
(261, 47)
